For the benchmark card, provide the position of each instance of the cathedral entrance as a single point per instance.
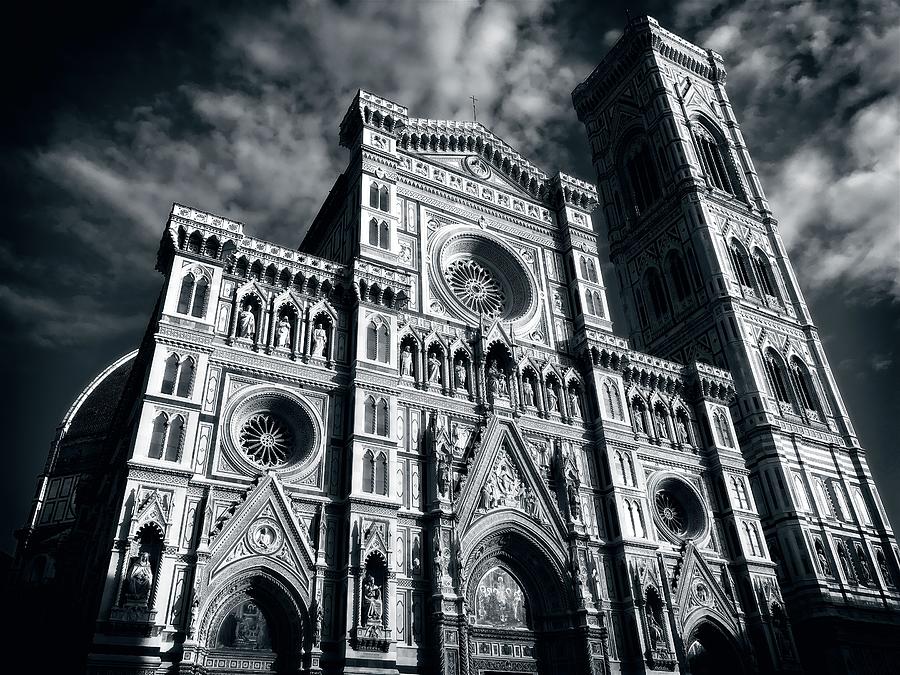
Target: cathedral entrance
(515, 600)
(711, 652)
(258, 630)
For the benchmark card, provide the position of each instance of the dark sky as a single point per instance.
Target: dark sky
(115, 110)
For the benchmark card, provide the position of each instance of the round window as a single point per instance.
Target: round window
(678, 509)
(267, 439)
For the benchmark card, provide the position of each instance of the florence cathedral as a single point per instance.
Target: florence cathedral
(416, 443)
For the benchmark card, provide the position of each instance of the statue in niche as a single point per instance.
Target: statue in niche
(434, 368)
(528, 392)
(460, 369)
(574, 404)
(406, 362)
(638, 416)
(530, 503)
(653, 627)
(661, 428)
(885, 572)
(283, 333)
(493, 380)
(246, 323)
(195, 612)
(371, 601)
(681, 426)
(823, 561)
(140, 581)
(574, 502)
(864, 575)
(320, 338)
(460, 439)
(443, 472)
(439, 569)
(552, 399)
(842, 556)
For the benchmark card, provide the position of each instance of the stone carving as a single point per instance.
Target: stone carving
(528, 392)
(283, 333)
(460, 370)
(140, 581)
(503, 486)
(406, 362)
(681, 428)
(434, 369)
(318, 615)
(319, 342)
(574, 501)
(371, 602)
(656, 634)
(574, 404)
(552, 399)
(443, 471)
(246, 323)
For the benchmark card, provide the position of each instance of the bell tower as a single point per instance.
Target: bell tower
(704, 275)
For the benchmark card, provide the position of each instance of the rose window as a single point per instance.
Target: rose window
(266, 439)
(670, 512)
(476, 287)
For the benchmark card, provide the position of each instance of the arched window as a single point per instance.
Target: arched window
(195, 242)
(764, 274)
(775, 371)
(589, 303)
(584, 268)
(739, 492)
(722, 430)
(170, 375)
(678, 275)
(823, 497)
(175, 437)
(158, 436)
(378, 337)
(373, 195)
(658, 299)
(598, 303)
(711, 159)
(741, 264)
(368, 476)
(612, 400)
(381, 421)
(384, 198)
(642, 177)
(861, 507)
(186, 294)
(373, 232)
(384, 235)
(800, 493)
(801, 380)
(185, 377)
(201, 296)
(381, 474)
(369, 415)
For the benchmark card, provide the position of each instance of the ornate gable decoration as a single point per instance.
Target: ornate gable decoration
(698, 590)
(504, 476)
(151, 506)
(263, 530)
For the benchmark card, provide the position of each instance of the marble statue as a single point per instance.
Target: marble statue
(406, 362)
(283, 333)
(246, 323)
(319, 341)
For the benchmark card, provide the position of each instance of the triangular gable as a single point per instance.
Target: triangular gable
(698, 590)
(264, 527)
(504, 476)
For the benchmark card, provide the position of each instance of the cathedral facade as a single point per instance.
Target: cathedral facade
(416, 444)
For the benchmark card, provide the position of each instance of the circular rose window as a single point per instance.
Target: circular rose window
(482, 277)
(678, 509)
(270, 429)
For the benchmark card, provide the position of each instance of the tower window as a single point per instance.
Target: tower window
(642, 177)
(775, 371)
(658, 298)
(711, 159)
(741, 264)
(194, 294)
(379, 197)
(764, 274)
(378, 341)
(801, 380)
(679, 275)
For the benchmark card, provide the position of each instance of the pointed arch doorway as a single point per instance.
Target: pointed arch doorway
(710, 651)
(260, 627)
(517, 604)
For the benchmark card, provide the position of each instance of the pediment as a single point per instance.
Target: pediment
(457, 163)
(698, 590)
(263, 530)
(505, 475)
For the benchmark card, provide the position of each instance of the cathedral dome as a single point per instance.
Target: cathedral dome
(92, 412)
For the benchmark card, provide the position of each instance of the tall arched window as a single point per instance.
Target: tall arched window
(861, 508)
(823, 498)
(201, 297)
(384, 235)
(739, 492)
(584, 269)
(384, 198)
(612, 400)
(712, 160)
(368, 474)
(369, 415)
(381, 474)
(598, 303)
(170, 375)
(589, 303)
(642, 177)
(801, 380)
(722, 429)
(158, 436)
(186, 294)
(373, 195)
(185, 377)
(764, 274)
(175, 438)
(658, 298)
(381, 418)
(678, 274)
(741, 264)
(373, 232)
(800, 493)
(775, 371)
(378, 335)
